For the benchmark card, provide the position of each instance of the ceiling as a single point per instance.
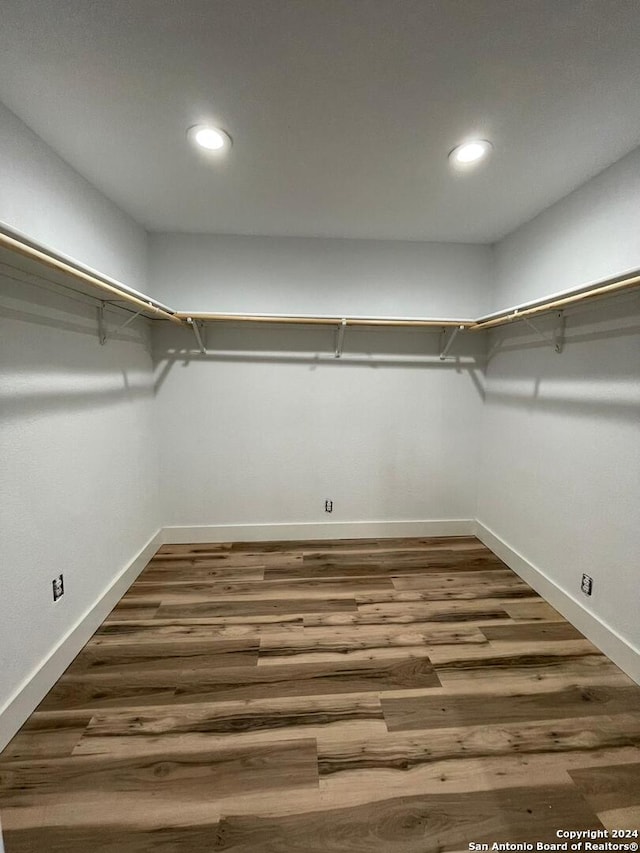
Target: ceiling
(342, 111)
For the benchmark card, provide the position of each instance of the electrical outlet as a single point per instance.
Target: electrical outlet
(587, 585)
(58, 587)
(328, 506)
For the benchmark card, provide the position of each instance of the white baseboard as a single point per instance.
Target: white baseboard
(36, 686)
(180, 535)
(27, 697)
(601, 635)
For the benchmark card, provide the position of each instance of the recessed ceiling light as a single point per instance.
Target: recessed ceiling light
(469, 153)
(209, 138)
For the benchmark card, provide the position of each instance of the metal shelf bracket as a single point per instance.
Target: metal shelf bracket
(103, 337)
(340, 338)
(556, 339)
(102, 328)
(196, 331)
(558, 332)
(446, 346)
(130, 320)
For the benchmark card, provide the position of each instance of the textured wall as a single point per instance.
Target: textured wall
(296, 275)
(270, 425)
(592, 234)
(48, 201)
(78, 469)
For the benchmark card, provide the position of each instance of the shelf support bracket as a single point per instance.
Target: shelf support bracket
(196, 331)
(495, 349)
(103, 337)
(445, 347)
(130, 320)
(556, 339)
(102, 329)
(340, 338)
(558, 332)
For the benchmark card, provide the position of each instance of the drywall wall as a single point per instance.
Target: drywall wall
(559, 484)
(268, 424)
(44, 198)
(309, 276)
(78, 480)
(560, 476)
(591, 235)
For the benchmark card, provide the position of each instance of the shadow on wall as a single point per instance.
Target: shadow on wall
(52, 397)
(78, 374)
(511, 341)
(83, 323)
(316, 347)
(543, 401)
(596, 374)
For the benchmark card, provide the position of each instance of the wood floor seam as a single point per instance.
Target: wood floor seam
(347, 696)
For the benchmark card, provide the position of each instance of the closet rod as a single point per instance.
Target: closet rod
(512, 315)
(21, 237)
(316, 320)
(52, 262)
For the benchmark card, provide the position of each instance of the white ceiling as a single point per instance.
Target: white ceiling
(342, 111)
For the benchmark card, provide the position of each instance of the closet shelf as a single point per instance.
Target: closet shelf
(324, 320)
(66, 272)
(32, 257)
(557, 302)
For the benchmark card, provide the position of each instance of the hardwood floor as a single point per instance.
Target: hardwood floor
(406, 696)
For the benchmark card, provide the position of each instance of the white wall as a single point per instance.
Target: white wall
(268, 426)
(591, 235)
(78, 479)
(78, 474)
(560, 477)
(307, 276)
(43, 197)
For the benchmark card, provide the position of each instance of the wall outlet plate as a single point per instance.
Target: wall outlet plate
(58, 587)
(587, 585)
(328, 506)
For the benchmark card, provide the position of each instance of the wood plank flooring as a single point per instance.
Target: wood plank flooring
(378, 696)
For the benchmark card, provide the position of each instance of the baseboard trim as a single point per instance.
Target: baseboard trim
(34, 688)
(27, 697)
(620, 650)
(180, 535)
